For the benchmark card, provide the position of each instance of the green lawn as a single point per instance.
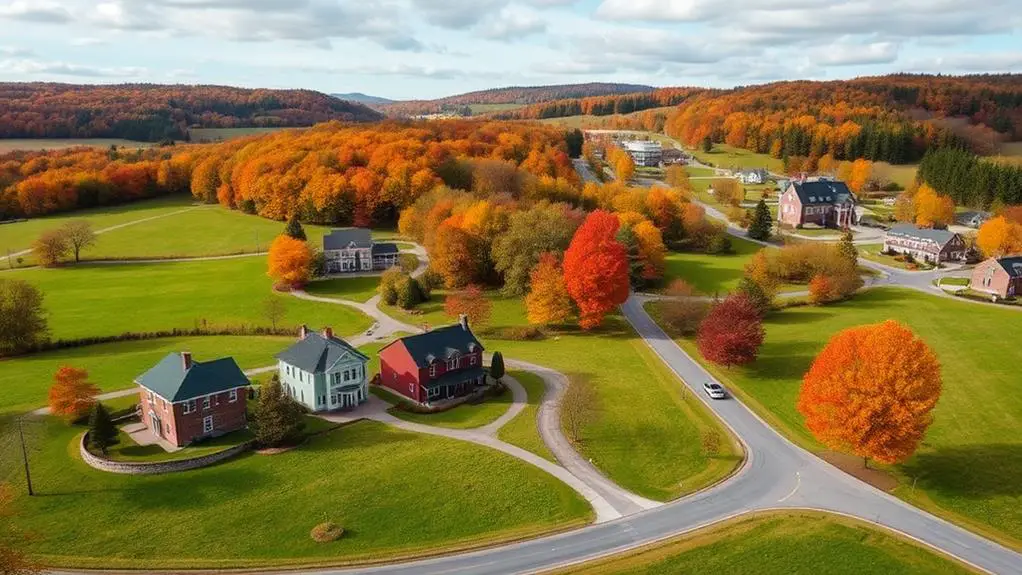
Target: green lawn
(872, 252)
(395, 493)
(37, 144)
(127, 450)
(969, 463)
(711, 274)
(93, 300)
(114, 366)
(729, 157)
(506, 312)
(954, 281)
(700, 172)
(783, 544)
(523, 430)
(354, 289)
(464, 416)
(819, 233)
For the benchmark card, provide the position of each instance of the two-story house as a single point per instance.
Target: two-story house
(183, 400)
(323, 372)
(1001, 277)
(924, 244)
(353, 250)
(825, 203)
(433, 366)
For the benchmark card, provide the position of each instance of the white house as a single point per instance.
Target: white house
(323, 372)
(753, 177)
(353, 250)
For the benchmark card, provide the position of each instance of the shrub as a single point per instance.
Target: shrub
(326, 532)
(431, 280)
(720, 243)
(520, 333)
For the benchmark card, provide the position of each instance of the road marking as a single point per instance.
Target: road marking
(798, 483)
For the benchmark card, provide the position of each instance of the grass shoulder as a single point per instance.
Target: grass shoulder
(523, 430)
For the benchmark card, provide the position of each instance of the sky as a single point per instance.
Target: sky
(424, 49)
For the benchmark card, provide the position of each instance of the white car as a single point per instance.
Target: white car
(714, 390)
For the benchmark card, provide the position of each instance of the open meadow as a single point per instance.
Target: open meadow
(732, 158)
(40, 144)
(711, 274)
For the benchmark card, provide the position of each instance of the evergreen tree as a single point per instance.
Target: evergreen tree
(102, 431)
(754, 292)
(294, 229)
(848, 250)
(278, 419)
(574, 139)
(762, 222)
(497, 366)
(707, 144)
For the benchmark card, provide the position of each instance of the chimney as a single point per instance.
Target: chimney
(328, 332)
(186, 360)
(303, 332)
(463, 320)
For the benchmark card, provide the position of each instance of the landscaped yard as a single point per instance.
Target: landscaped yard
(967, 468)
(782, 544)
(506, 312)
(354, 289)
(395, 493)
(464, 416)
(95, 300)
(711, 274)
(127, 450)
(113, 366)
(874, 253)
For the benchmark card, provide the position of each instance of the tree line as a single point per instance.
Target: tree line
(970, 180)
(512, 95)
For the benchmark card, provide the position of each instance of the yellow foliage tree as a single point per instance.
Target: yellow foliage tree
(932, 209)
(999, 236)
(548, 300)
(861, 172)
(652, 251)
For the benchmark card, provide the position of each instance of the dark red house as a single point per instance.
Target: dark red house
(183, 400)
(436, 365)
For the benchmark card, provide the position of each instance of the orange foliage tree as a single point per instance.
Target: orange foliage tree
(999, 236)
(821, 290)
(932, 209)
(548, 300)
(51, 247)
(861, 172)
(457, 255)
(596, 268)
(870, 392)
(290, 262)
(470, 302)
(652, 252)
(72, 394)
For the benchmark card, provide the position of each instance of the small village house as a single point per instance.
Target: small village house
(323, 372)
(825, 203)
(353, 250)
(1001, 277)
(183, 400)
(434, 366)
(926, 245)
(753, 177)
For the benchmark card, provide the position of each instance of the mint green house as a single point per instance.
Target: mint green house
(323, 372)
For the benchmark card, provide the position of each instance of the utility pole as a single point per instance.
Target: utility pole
(24, 457)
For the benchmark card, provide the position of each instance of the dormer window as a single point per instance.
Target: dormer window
(432, 370)
(452, 363)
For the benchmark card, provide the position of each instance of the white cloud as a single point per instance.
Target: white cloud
(514, 22)
(35, 11)
(15, 51)
(27, 67)
(854, 54)
(87, 41)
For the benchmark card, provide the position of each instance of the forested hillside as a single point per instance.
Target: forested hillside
(148, 112)
(604, 105)
(512, 95)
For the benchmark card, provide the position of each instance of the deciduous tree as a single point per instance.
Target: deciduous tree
(79, 235)
(682, 310)
(457, 255)
(652, 252)
(290, 262)
(871, 391)
(470, 302)
(732, 332)
(578, 408)
(274, 310)
(22, 318)
(72, 394)
(999, 236)
(728, 191)
(277, 419)
(821, 290)
(50, 248)
(596, 268)
(548, 301)
(540, 229)
(933, 210)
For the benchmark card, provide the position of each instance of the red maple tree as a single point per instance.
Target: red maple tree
(596, 269)
(732, 332)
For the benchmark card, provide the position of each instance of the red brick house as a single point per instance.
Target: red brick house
(183, 400)
(436, 365)
(825, 203)
(1001, 277)
(925, 244)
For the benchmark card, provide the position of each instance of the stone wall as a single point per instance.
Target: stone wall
(156, 468)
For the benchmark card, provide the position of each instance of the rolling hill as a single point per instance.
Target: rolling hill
(366, 99)
(510, 97)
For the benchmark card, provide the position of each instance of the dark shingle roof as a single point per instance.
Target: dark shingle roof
(940, 237)
(341, 239)
(1012, 265)
(169, 380)
(316, 354)
(385, 249)
(822, 192)
(455, 377)
(441, 344)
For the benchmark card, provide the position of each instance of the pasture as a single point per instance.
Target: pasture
(44, 144)
(711, 274)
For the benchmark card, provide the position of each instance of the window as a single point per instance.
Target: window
(207, 424)
(347, 376)
(432, 370)
(150, 395)
(205, 402)
(411, 387)
(189, 406)
(452, 363)
(472, 360)
(233, 396)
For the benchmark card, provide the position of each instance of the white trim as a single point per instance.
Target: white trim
(232, 396)
(207, 419)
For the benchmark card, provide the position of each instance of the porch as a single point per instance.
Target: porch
(454, 385)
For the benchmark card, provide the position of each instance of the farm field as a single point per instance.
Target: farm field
(768, 544)
(97, 300)
(711, 274)
(200, 135)
(35, 145)
(499, 498)
(479, 109)
(966, 466)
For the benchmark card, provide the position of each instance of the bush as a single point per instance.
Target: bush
(431, 280)
(720, 243)
(520, 333)
(326, 532)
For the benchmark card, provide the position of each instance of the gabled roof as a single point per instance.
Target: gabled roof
(316, 354)
(441, 344)
(939, 237)
(342, 238)
(385, 249)
(169, 380)
(1012, 265)
(822, 192)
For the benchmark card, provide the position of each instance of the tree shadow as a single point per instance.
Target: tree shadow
(970, 471)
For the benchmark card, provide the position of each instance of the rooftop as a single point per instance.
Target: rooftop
(940, 237)
(441, 344)
(316, 352)
(171, 380)
(348, 237)
(1012, 265)
(822, 192)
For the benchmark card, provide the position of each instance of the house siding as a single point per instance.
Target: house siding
(989, 277)
(400, 373)
(925, 250)
(180, 428)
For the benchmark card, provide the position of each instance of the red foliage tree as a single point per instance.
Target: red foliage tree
(470, 302)
(596, 268)
(732, 332)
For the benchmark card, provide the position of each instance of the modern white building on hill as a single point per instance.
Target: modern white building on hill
(644, 152)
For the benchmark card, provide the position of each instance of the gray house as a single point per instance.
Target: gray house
(353, 250)
(323, 372)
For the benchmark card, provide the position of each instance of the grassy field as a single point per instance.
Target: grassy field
(127, 450)
(478, 109)
(354, 289)
(506, 312)
(711, 274)
(223, 134)
(114, 366)
(522, 430)
(967, 467)
(94, 300)
(872, 252)
(395, 493)
(34, 145)
(725, 156)
(779, 544)
(464, 416)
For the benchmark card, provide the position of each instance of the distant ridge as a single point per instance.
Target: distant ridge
(361, 98)
(512, 96)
